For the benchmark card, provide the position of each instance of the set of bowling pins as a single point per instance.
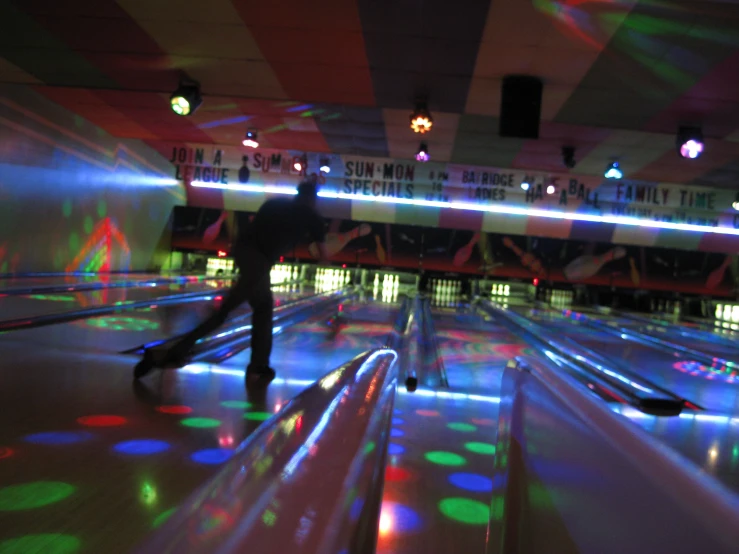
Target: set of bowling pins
(670, 306)
(331, 279)
(560, 298)
(283, 273)
(445, 292)
(727, 312)
(390, 286)
(499, 289)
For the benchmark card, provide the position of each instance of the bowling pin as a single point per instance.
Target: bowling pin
(586, 266)
(717, 275)
(335, 242)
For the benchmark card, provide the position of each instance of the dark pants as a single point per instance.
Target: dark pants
(253, 286)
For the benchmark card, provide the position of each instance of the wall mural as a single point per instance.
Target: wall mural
(73, 198)
(494, 255)
(234, 179)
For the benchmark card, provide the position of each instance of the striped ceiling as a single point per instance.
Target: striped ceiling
(341, 75)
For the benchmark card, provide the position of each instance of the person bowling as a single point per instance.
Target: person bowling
(277, 227)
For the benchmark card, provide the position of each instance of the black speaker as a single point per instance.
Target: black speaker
(520, 107)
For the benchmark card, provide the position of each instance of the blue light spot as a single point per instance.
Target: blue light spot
(222, 122)
(471, 482)
(356, 510)
(398, 421)
(300, 108)
(212, 456)
(59, 437)
(396, 433)
(395, 449)
(396, 411)
(404, 519)
(141, 447)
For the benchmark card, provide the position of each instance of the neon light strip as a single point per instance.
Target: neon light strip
(466, 206)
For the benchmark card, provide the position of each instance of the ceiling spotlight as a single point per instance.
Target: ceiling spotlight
(186, 99)
(300, 164)
(525, 185)
(568, 156)
(613, 171)
(735, 205)
(251, 139)
(423, 153)
(421, 121)
(689, 142)
(325, 165)
(550, 189)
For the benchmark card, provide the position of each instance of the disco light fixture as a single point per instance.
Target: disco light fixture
(421, 121)
(301, 163)
(689, 142)
(325, 165)
(613, 171)
(186, 99)
(251, 140)
(485, 208)
(423, 153)
(551, 189)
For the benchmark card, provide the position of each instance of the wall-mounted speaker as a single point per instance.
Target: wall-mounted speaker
(520, 107)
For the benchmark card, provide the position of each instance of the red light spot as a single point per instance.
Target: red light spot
(427, 413)
(341, 307)
(483, 421)
(222, 254)
(5, 452)
(226, 440)
(173, 409)
(343, 266)
(536, 281)
(396, 474)
(299, 424)
(219, 298)
(282, 259)
(102, 420)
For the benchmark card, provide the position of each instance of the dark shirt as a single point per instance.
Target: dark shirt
(279, 225)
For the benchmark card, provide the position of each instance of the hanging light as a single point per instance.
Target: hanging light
(251, 139)
(421, 121)
(423, 153)
(525, 185)
(301, 163)
(325, 165)
(689, 142)
(613, 171)
(186, 99)
(551, 189)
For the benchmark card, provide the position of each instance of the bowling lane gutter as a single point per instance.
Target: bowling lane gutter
(99, 285)
(652, 341)
(107, 309)
(598, 374)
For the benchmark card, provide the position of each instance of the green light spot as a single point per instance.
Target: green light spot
(257, 416)
(74, 242)
(52, 297)
(161, 518)
(148, 494)
(117, 323)
(200, 422)
(369, 447)
(464, 510)
(237, 404)
(48, 543)
(463, 427)
(269, 518)
(67, 208)
(480, 447)
(102, 208)
(33, 495)
(445, 458)
(88, 224)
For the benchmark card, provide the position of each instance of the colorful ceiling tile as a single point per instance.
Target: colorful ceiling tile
(341, 76)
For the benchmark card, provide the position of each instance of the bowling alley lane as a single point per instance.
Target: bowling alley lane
(696, 382)
(87, 456)
(40, 279)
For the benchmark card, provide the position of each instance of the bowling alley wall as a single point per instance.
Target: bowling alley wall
(72, 197)
(495, 255)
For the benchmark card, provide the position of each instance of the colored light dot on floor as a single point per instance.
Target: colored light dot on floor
(462, 427)
(445, 458)
(471, 482)
(101, 421)
(465, 510)
(397, 421)
(143, 447)
(395, 449)
(427, 413)
(237, 404)
(33, 495)
(200, 422)
(397, 518)
(257, 416)
(369, 447)
(396, 474)
(50, 543)
(5, 452)
(396, 433)
(59, 437)
(161, 518)
(212, 456)
(480, 447)
(174, 409)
